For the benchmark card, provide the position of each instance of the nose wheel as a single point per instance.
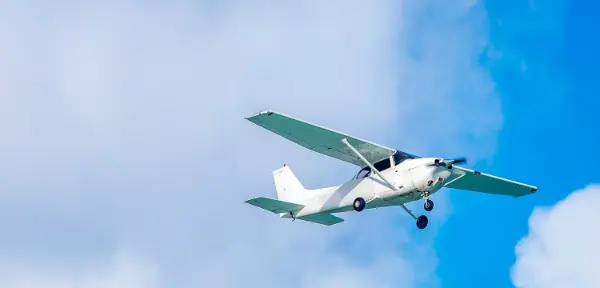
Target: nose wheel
(422, 220)
(428, 205)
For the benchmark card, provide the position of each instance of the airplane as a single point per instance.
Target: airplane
(388, 177)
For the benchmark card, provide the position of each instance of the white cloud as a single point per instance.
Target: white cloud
(123, 122)
(560, 249)
(340, 273)
(120, 270)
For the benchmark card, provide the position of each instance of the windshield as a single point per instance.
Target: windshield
(399, 157)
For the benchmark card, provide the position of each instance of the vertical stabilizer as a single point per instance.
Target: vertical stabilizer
(288, 187)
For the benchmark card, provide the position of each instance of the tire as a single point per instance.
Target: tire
(422, 222)
(359, 204)
(428, 205)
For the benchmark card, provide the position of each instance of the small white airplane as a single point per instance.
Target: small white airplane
(388, 177)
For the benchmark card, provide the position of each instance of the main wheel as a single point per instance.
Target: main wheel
(428, 205)
(422, 222)
(359, 204)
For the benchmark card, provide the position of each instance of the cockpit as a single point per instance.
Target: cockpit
(384, 164)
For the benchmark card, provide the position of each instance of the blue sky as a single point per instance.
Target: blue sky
(123, 139)
(549, 135)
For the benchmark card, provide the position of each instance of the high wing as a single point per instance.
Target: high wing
(467, 179)
(323, 219)
(320, 139)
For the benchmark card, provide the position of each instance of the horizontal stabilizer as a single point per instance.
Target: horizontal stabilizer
(275, 206)
(324, 219)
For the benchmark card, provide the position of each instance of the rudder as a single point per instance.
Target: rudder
(288, 187)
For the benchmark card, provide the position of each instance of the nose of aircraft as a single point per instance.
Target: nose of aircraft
(447, 163)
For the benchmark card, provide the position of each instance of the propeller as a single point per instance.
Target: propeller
(458, 160)
(449, 162)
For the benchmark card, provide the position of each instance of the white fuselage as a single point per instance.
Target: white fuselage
(412, 177)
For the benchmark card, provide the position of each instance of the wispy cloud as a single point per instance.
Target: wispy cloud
(122, 126)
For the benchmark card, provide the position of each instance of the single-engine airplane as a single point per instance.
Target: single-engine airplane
(388, 177)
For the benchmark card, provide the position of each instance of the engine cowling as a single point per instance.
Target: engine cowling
(428, 178)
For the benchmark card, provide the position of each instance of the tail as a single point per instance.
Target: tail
(291, 197)
(288, 187)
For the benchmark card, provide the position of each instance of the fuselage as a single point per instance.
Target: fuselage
(412, 177)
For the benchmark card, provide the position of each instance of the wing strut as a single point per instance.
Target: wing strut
(345, 142)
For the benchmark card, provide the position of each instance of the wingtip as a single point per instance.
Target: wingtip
(267, 112)
(250, 201)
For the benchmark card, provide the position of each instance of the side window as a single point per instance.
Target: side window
(382, 165)
(363, 173)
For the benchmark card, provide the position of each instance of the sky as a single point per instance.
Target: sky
(126, 159)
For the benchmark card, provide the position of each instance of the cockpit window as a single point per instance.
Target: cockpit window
(399, 157)
(380, 166)
(384, 164)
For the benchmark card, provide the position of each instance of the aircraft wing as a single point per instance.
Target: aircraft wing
(323, 218)
(467, 179)
(320, 139)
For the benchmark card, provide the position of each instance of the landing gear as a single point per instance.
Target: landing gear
(428, 205)
(359, 204)
(422, 222)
